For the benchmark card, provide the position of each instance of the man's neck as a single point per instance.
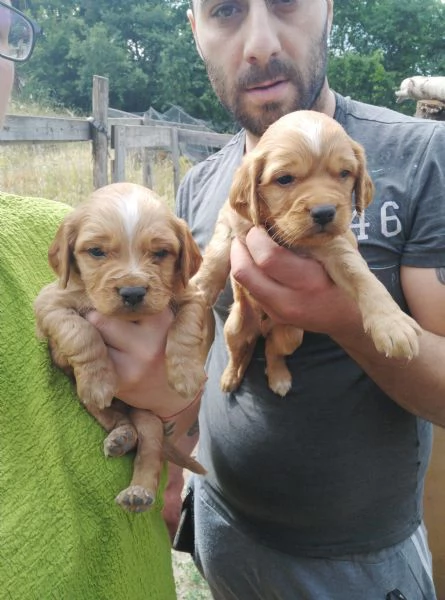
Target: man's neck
(325, 104)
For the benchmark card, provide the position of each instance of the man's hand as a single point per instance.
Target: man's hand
(290, 288)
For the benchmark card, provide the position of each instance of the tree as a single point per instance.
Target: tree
(147, 51)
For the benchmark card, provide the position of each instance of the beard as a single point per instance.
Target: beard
(306, 87)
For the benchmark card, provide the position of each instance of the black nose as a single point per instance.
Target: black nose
(132, 295)
(323, 214)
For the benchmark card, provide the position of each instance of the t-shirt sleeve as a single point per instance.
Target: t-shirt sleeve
(425, 245)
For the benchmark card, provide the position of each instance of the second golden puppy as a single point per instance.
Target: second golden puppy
(124, 253)
(301, 183)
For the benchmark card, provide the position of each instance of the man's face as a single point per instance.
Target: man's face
(6, 66)
(264, 58)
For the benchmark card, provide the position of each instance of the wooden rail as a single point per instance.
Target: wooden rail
(111, 136)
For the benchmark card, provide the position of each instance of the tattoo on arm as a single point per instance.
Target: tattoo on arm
(169, 428)
(440, 274)
(193, 429)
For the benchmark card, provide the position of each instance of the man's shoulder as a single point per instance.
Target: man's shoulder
(215, 163)
(361, 119)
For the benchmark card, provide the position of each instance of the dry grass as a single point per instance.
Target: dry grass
(63, 172)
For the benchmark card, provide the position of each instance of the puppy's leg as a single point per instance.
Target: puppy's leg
(122, 435)
(394, 333)
(184, 350)
(281, 341)
(74, 341)
(215, 267)
(141, 493)
(241, 332)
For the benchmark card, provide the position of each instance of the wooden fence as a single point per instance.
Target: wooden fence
(111, 137)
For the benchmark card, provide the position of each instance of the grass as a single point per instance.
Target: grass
(64, 172)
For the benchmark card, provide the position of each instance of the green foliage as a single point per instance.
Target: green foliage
(147, 51)
(375, 44)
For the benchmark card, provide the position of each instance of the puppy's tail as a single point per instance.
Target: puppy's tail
(179, 458)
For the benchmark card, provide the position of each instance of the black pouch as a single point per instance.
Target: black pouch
(184, 540)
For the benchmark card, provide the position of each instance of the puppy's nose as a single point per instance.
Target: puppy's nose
(323, 214)
(132, 296)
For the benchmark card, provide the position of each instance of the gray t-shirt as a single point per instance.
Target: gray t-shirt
(336, 467)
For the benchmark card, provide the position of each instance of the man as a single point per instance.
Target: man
(319, 495)
(61, 534)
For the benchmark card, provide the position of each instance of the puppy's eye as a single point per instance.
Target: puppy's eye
(96, 252)
(160, 253)
(285, 179)
(345, 174)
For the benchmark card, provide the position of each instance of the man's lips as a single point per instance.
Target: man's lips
(265, 85)
(268, 91)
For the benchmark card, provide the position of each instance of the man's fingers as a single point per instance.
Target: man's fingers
(113, 331)
(250, 275)
(122, 335)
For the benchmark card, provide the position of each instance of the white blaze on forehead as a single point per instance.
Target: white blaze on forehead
(312, 131)
(129, 210)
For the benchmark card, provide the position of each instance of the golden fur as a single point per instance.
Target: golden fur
(299, 183)
(124, 254)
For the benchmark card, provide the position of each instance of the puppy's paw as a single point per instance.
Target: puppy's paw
(96, 387)
(280, 380)
(121, 440)
(185, 376)
(395, 335)
(230, 380)
(136, 499)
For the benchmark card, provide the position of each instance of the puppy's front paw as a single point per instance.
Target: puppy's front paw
(230, 380)
(185, 376)
(121, 440)
(95, 386)
(136, 499)
(395, 335)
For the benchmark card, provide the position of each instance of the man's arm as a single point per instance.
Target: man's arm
(297, 291)
(418, 386)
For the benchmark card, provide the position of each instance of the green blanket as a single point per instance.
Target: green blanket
(61, 534)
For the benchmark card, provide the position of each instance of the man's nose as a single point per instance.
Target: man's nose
(262, 41)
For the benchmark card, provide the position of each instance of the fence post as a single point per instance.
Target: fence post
(100, 133)
(148, 163)
(120, 152)
(175, 157)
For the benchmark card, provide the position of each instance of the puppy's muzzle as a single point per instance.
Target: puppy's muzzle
(132, 296)
(323, 214)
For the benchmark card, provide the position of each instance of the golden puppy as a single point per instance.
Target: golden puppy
(124, 253)
(300, 183)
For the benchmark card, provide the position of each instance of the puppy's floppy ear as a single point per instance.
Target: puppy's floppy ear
(190, 258)
(60, 252)
(243, 195)
(364, 188)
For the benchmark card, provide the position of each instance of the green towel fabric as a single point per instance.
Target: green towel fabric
(61, 534)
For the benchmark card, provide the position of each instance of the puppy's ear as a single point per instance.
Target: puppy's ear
(190, 258)
(243, 196)
(60, 253)
(364, 188)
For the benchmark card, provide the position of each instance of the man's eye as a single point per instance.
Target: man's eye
(285, 179)
(96, 252)
(161, 253)
(225, 11)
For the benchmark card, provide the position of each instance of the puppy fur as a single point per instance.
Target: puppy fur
(124, 254)
(300, 183)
